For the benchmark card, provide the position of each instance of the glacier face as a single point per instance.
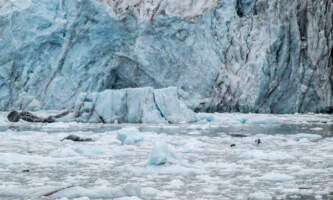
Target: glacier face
(227, 55)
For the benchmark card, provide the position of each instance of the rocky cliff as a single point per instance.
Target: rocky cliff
(272, 56)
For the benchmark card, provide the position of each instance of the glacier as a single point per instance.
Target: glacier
(266, 56)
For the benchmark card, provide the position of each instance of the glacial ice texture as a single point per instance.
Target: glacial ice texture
(271, 56)
(294, 160)
(129, 136)
(133, 105)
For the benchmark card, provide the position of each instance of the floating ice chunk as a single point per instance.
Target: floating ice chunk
(76, 192)
(306, 136)
(316, 129)
(243, 121)
(149, 192)
(238, 118)
(104, 191)
(210, 188)
(208, 117)
(133, 105)
(258, 154)
(81, 198)
(276, 177)
(162, 153)
(194, 133)
(159, 154)
(261, 120)
(128, 198)
(309, 172)
(102, 182)
(11, 158)
(167, 194)
(163, 170)
(260, 196)
(129, 136)
(89, 150)
(176, 183)
(11, 191)
(132, 190)
(129, 192)
(64, 152)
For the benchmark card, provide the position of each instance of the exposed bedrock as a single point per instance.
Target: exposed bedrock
(278, 59)
(272, 56)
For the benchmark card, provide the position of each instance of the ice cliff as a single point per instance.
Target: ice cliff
(272, 56)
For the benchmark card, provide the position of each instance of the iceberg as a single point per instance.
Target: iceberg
(159, 154)
(129, 136)
(162, 154)
(133, 105)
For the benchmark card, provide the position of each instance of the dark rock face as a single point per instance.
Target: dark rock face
(282, 54)
(272, 56)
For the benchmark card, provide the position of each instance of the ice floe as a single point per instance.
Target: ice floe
(171, 161)
(159, 154)
(276, 177)
(306, 136)
(129, 136)
(259, 154)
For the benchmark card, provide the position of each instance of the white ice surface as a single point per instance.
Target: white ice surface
(290, 158)
(159, 154)
(265, 119)
(129, 136)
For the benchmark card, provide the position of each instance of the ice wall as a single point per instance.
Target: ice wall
(227, 55)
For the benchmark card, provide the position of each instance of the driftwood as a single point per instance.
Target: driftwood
(15, 116)
(76, 138)
(238, 135)
(56, 191)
